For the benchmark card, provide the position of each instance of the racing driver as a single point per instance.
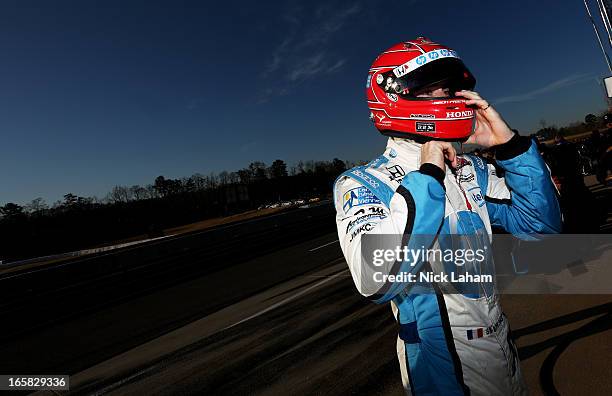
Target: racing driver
(420, 95)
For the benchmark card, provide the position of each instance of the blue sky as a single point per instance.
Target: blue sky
(101, 93)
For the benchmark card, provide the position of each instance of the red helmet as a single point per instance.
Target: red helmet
(408, 69)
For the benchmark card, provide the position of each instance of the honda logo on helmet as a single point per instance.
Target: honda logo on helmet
(459, 114)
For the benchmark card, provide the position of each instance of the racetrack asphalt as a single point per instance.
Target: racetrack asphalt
(287, 321)
(315, 335)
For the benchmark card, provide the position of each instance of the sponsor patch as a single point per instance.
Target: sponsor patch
(477, 195)
(460, 114)
(451, 101)
(381, 119)
(365, 177)
(392, 97)
(422, 116)
(365, 218)
(367, 227)
(396, 173)
(425, 126)
(378, 211)
(356, 197)
(466, 178)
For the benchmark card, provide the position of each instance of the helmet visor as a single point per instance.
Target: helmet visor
(448, 73)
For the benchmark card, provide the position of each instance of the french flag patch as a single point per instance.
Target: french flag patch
(475, 333)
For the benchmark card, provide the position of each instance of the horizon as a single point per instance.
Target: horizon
(290, 167)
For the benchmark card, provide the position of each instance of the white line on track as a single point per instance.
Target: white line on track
(322, 246)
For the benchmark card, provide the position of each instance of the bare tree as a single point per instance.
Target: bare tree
(338, 166)
(543, 123)
(300, 167)
(212, 180)
(36, 205)
(199, 181)
(96, 201)
(234, 178)
(245, 176)
(309, 166)
(223, 178)
(257, 170)
(120, 194)
(138, 193)
(187, 185)
(161, 186)
(151, 191)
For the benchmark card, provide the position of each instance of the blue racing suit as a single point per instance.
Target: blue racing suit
(448, 343)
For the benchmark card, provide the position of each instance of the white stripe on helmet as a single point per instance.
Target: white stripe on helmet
(424, 59)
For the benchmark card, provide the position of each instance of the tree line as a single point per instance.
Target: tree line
(591, 122)
(36, 228)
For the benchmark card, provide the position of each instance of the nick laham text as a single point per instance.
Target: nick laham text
(429, 277)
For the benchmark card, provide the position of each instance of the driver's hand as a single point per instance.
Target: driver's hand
(435, 152)
(491, 129)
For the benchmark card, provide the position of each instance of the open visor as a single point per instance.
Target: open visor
(448, 73)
